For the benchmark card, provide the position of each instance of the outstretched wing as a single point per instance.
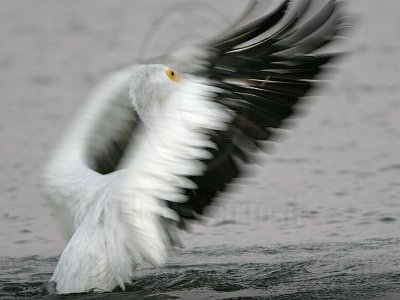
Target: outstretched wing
(241, 86)
(168, 150)
(260, 82)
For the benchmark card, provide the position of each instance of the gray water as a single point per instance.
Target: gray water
(320, 219)
(300, 271)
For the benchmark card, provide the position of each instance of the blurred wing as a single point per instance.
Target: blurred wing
(239, 87)
(261, 81)
(93, 146)
(168, 150)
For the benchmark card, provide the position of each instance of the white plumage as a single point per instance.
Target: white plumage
(154, 145)
(117, 215)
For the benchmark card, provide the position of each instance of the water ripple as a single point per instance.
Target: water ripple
(312, 271)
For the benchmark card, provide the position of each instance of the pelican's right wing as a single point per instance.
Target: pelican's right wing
(169, 149)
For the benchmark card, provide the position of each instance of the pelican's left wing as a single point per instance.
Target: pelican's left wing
(91, 149)
(246, 83)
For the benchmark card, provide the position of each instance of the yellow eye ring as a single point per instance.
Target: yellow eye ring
(172, 74)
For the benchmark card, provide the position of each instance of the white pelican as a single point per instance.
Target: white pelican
(157, 142)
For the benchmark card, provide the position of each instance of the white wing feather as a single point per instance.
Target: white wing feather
(168, 149)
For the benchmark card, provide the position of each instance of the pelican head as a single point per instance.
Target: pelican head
(149, 86)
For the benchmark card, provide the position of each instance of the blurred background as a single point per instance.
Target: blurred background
(333, 182)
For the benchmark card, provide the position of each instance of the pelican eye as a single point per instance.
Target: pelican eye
(172, 74)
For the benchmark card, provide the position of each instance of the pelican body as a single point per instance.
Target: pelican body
(155, 143)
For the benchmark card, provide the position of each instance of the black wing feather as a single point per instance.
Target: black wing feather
(251, 30)
(260, 82)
